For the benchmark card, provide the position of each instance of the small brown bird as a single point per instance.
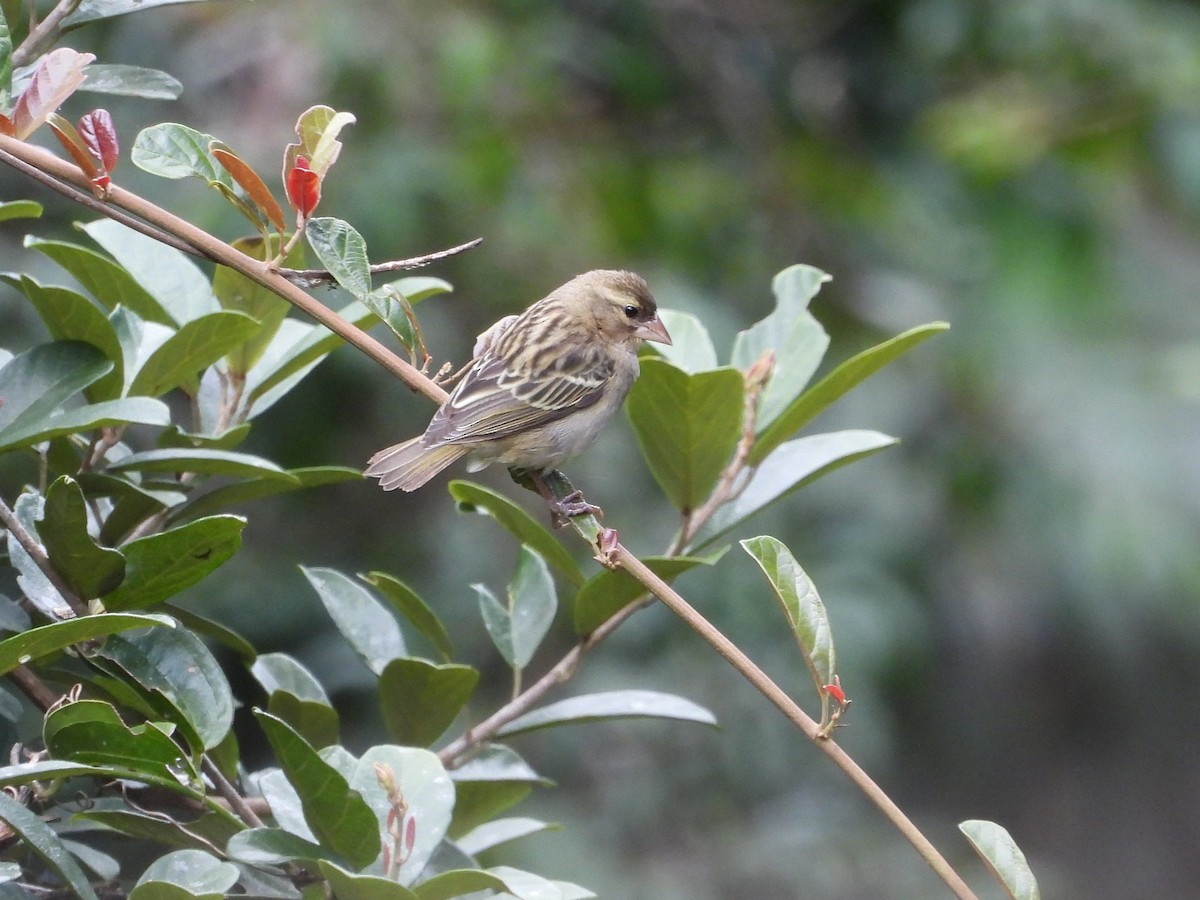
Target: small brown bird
(543, 386)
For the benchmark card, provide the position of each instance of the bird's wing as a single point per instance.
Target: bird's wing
(501, 397)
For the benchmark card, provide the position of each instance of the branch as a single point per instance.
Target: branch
(218, 251)
(587, 526)
(44, 33)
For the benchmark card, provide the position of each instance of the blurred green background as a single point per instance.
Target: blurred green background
(1013, 589)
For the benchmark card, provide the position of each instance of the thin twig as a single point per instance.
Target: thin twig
(34, 688)
(10, 521)
(785, 704)
(45, 32)
(236, 801)
(310, 278)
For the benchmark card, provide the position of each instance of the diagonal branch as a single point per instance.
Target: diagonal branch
(586, 526)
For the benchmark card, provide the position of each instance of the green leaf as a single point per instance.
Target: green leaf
(297, 698)
(272, 846)
(687, 426)
(181, 676)
(457, 883)
(210, 829)
(35, 383)
(294, 350)
(214, 631)
(195, 871)
(792, 333)
(691, 349)
(317, 723)
(350, 886)
(416, 288)
(90, 10)
(496, 778)
(421, 700)
(527, 886)
(317, 128)
(407, 602)
(280, 672)
(342, 252)
(37, 642)
(613, 589)
(497, 832)
(46, 844)
(821, 395)
(131, 81)
(111, 285)
(244, 491)
(518, 628)
(90, 570)
(610, 705)
(19, 209)
(801, 604)
(364, 621)
(167, 274)
(789, 468)
(69, 316)
(338, 816)
(170, 150)
(1001, 854)
(202, 461)
(106, 414)
(236, 292)
(427, 789)
(194, 347)
(472, 497)
(91, 732)
(161, 565)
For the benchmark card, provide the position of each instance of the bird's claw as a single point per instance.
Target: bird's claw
(565, 508)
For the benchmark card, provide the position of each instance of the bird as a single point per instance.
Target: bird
(542, 386)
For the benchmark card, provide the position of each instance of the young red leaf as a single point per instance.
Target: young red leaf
(73, 142)
(58, 75)
(249, 180)
(100, 137)
(6, 125)
(410, 833)
(303, 188)
(835, 691)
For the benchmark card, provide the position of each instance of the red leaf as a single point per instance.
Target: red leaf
(70, 139)
(835, 691)
(58, 75)
(410, 833)
(303, 188)
(251, 183)
(6, 125)
(100, 137)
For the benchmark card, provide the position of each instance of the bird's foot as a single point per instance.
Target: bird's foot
(563, 509)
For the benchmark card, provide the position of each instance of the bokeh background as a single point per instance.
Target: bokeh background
(1013, 589)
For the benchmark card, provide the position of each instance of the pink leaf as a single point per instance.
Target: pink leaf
(58, 75)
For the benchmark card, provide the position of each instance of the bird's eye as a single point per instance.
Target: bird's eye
(631, 311)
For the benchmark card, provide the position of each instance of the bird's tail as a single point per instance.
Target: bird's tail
(409, 465)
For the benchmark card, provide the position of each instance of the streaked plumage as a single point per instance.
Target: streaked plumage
(545, 385)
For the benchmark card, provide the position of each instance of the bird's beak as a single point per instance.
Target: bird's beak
(653, 330)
